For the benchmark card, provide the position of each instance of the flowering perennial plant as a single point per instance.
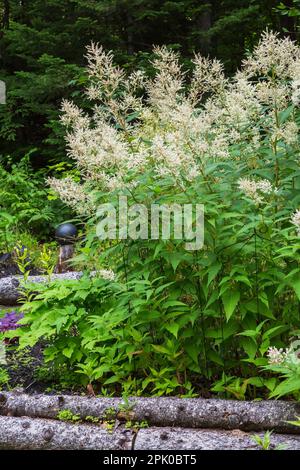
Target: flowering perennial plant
(287, 363)
(170, 315)
(174, 131)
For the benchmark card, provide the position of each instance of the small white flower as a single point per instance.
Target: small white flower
(275, 356)
(252, 188)
(296, 221)
(107, 274)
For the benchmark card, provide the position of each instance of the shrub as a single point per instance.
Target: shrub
(173, 317)
(27, 211)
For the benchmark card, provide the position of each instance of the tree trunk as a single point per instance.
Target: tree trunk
(207, 439)
(28, 433)
(130, 49)
(204, 24)
(4, 25)
(157, 411)
(6, 12)
(41, 434)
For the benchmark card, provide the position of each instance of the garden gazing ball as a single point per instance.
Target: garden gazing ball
(66, 234)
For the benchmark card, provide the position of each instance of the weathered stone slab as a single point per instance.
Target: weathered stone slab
(27, 433)
(10, 286)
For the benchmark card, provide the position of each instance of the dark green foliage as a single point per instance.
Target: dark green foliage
(26, 205)
(290, 11)
(176, 319)
(42, 48)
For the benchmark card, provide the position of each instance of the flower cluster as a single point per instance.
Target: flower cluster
(256, 189)
(10, 321)
(73, 194)
(286, 357)
(277, 356)
(107, 274)
(274, 57)
(208, 77)
(296, 221)
(177, 127)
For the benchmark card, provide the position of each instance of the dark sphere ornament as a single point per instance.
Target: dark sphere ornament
(66, 234)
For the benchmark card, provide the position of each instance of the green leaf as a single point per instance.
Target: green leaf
(112, 380)
(212, 272)
(230, 300)
(215, 357)
(175, 259)
(285, 114)
(286, 387)
(295, 423)
(8, 217)
(249, 346)
(270, 383)
(68, 351)
(193, 351)
(174, 303)
(264, 298)
(295, 283)
(250, 333)
(173, 328)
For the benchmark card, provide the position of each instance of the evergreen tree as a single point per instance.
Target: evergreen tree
(42, 45)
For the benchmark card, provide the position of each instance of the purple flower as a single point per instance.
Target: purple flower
(9, 321)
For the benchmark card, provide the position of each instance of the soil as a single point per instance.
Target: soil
(29, 373)
(21, 366)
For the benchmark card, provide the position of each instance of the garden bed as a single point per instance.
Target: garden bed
(28, 371)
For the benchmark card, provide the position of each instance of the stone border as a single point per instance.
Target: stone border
(43, 434)
(162, 411)
(10, 286)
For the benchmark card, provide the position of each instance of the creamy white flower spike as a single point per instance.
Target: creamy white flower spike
(208, 77)
(296, 221)
(176, 127)
(107, 274)
(73, 195)
(273, 57)
(256, 189)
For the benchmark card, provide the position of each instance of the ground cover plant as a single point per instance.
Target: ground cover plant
(27, 211)
(161, 319)
(29, 214)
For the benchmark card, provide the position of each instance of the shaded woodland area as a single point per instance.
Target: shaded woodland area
(42, 47)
